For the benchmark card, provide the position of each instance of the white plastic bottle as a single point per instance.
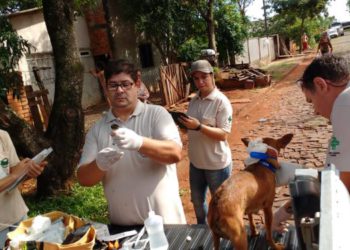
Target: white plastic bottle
(155, 231)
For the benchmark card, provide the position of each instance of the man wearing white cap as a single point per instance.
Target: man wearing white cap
(209, 124)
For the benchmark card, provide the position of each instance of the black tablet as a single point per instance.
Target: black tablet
(176, 115)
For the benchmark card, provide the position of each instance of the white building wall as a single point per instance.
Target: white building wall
(126, 39)
(254, 52)
(31, 26)
(257, 52)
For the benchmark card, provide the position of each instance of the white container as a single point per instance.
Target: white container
(155, 231)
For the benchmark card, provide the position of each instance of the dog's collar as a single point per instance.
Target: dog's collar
(263, 158)
(268, 165)
(260, 151)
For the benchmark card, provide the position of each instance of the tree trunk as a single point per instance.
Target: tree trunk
(66, 123)
(211, 25)
(28, 142)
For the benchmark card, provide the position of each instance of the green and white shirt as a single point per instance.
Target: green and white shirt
(13, 208)
(339, 145)
(214, 110)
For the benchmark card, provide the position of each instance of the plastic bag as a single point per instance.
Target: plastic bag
(70, 222)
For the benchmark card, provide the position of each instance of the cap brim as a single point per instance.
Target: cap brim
(203, 71)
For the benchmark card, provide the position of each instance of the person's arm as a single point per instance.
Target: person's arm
(330, 45)
(15, 173)
(89, 174)
(318, 47)
(24, 167)
(166, 152)
(163, 151)
(214, 133)
(95, 162)
(192, 123)
(163, 145)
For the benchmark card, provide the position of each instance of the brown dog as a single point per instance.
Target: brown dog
(245, 193)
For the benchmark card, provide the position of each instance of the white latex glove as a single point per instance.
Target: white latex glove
(127, 139)
(107, 157)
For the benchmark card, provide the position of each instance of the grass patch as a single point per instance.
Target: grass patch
(280, 68)
(83, 202)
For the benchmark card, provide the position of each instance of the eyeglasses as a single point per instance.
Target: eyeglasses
(125, 85)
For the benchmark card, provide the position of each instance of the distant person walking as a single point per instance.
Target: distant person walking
(98, 73)
(142, 93)
(324, 45)
(305, 41)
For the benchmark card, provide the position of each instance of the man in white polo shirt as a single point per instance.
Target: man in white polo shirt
(325, 84)
(136, 162)
(209, 123)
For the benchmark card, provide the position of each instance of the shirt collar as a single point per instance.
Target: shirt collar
(213, 94)
(140, 107)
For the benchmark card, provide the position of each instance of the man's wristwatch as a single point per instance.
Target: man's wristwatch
(199, 127)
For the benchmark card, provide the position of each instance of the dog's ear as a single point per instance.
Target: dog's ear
(284, 140)
(245, 140)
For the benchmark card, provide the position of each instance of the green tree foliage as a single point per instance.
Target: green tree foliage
(11, 6)
(11, 50)
(298, 11)
(179, 29)
(167, 24)
(230, 31)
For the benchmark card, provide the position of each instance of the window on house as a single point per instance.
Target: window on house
(146, 55)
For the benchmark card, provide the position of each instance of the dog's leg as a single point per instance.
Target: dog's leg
(237, 232)
(253, 231)
(216, 240)
(268, 225)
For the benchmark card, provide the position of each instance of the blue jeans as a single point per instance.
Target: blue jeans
(200, 180)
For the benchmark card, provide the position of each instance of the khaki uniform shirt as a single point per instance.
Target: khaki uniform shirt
(13, 208)
(215, 110)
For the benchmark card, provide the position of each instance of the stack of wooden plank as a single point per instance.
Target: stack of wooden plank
(242, 78)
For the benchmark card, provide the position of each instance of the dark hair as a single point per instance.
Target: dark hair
(116, 67)
(329, 67)
(100, 65)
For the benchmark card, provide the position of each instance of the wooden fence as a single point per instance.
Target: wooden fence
(174, 84)
(32, 106)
